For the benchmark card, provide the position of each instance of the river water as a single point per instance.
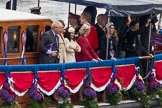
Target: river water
(54, 10)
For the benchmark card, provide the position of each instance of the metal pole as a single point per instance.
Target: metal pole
(107, 36)
(13, 4)
(75, 8)
(68, 13)
(38, 3)
(11, 1)
(149, 45)
(159, 22)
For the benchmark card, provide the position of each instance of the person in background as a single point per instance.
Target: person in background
(92, 35)
(8, 4)
(101, 32)
(93, 12)
(87, 53)
(133, 39)
(71, 45)
(35, 10)
(112, 36)
(49, 44)
(74, 22)
(62, 49)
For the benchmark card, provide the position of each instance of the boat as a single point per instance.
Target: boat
(60, 73)
(17, 27)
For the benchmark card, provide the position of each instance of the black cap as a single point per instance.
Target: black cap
(35, 10)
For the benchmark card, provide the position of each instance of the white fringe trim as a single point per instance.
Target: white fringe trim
(160, 81)
(77, 88)
(17, 92)
(131, 83)
(1, 86)
(50, 92)
(100, 88)
(155, 76)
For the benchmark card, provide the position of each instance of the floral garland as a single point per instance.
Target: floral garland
(8, 96)
(113, 92)
(154, 87)
(137, 91)
(36, 96)
(64, 94)
(90, 96)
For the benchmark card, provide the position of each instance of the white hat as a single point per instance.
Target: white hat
(71, 30)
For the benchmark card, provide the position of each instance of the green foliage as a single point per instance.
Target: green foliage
(90, 103)
(145, 99)
(140, 96)
(35, 104)
(114, 98)
(153, 92)
(65, 105)
(15, 104)
(160, 97)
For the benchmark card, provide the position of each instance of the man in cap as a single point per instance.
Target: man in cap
(74, 22)
(35, 10)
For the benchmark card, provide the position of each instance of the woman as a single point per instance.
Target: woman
(113, 41)
(87, 53)
(62, 50)
(112, 37)
(71, 45)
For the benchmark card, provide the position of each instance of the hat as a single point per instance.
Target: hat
(72, 15)
(35, 10)
(71, 30)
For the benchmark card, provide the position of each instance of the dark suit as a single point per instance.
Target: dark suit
(134, 45)
(102, 42)
(48, 38)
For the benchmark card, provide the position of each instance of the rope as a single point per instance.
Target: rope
(146, 75)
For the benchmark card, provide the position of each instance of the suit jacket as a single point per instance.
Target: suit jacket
(134, 46)
(48, 41)
(101, 41)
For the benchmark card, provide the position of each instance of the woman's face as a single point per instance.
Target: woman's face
(72, 35)
(111, 29)
(136, 27)
(72, 21)
(87, 32)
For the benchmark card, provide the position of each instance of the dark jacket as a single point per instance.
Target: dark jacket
(101, 38)
(134, 45)
(48, 38)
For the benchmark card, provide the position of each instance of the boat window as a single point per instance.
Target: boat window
(13, 39)
(31, 38)
(0, 38)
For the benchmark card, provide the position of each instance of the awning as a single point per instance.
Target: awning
(123, 7)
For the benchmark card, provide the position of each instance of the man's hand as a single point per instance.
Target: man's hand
(53, 53)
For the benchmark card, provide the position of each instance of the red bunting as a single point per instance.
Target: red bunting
(74, 77)
(2, 78)
(101, 76)
(48, 79)
(22, 80)
(125, 74)
(158, 68)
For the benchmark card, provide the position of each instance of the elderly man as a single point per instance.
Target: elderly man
(49, 44)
